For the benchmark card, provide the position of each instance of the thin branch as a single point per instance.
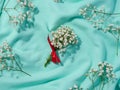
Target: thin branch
(107, 13)
(22, 71)
(7, 13)
(113, 35)
(7, 3)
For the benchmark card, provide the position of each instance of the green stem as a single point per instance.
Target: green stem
(25, 73)
(7, 13)
(117, 44)
(17, 64)
(102, 86)
(93, 86)
(22, 72)
(107, 13)
(48, 61)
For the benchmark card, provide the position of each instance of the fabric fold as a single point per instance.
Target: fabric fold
(2, 2)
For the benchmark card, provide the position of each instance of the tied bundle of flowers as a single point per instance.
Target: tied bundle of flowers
(61, 39)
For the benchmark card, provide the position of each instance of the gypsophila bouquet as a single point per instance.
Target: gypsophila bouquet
(8, 61)
(104, 73)
(61, 39)
(25, 11)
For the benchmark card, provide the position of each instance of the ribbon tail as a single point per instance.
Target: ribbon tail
(55, 58)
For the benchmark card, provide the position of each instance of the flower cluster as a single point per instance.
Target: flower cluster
(104, 73)
(5, 53)
(25, 17)
(97, 17)
(8, 61)
(75, 87)
(94, 15)
(63, 37)
(25, 3)
(115, 31)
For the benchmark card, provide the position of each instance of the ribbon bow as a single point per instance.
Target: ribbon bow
(55, 58)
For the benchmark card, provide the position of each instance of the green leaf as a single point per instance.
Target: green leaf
(48, 61)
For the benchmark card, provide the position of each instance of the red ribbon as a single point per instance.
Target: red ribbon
(55, 58)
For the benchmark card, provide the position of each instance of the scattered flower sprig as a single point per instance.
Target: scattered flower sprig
(94, 15)
(104, 73)
(115, 31)
(98, 17)
(61, 39)
(8, 60)
(25, 16)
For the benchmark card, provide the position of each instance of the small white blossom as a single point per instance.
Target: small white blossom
(75, 86)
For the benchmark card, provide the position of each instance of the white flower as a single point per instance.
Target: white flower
(108, 75)
(70, 89)
(108, 71)
(100, 74)
(83, 12)
(75, 86)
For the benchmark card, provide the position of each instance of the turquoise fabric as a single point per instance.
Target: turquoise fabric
(32, 47)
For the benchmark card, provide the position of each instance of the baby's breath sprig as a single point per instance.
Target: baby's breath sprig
(61, 39)
(104, 73)
(94, 15)
(115, 31)
(25, 13)
(8, 60)
(97, 17)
